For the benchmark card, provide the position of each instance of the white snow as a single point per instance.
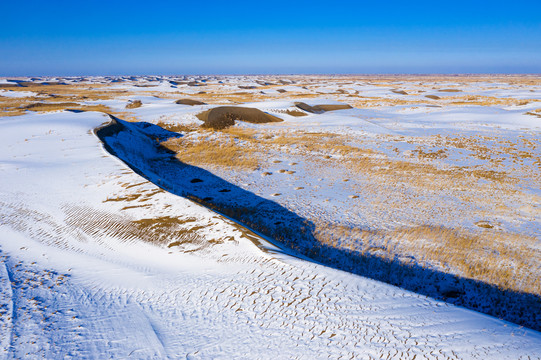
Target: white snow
(17, 94)
(78, 282)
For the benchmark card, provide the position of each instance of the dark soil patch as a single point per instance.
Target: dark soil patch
(319, 109)
(190, 102)
(433, 97)
(401, 92)
(224, 116)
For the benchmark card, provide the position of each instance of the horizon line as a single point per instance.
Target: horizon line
(280, 74)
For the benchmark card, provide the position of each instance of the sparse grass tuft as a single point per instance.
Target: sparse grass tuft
(134, 104)
(179, 128)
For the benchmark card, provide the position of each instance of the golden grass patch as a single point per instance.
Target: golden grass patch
(224, 151)
(179, 128)
(134, 104)
(492, 256)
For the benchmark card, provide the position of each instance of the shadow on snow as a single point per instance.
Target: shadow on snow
(137, 145)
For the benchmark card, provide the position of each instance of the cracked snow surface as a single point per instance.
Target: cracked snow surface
(86, 272)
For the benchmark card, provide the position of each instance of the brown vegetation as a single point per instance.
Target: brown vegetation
(179, 128)
(133, 104)
(319, 109)
(225, 152)
(224, 116)
(296, 113)
(487, 255)
(400, 92)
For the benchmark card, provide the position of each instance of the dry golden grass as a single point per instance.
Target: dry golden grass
(178, 232)
(225, 151)
(55, 102)
(536, 112)
(485, 101)
(368, 102)
(179, 128)
(508, 261)
(134, 104)
(19, 106)
(372, 164)
(491, 254)
(75, 91)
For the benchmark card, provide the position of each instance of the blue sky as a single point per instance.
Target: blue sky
(250, 37)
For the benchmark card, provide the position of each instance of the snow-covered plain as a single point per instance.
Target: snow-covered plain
(87, 271)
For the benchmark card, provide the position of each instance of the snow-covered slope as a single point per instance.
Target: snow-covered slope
(80, 279)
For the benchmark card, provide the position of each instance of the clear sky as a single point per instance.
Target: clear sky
(261, 37)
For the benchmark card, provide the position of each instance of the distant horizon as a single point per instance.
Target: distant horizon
(273, 74)
(64, 38)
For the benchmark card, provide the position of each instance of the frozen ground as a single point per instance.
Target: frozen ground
(98, 262)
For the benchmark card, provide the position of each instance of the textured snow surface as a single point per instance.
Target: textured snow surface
(77, 281)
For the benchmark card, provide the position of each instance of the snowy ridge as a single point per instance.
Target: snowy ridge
(136, 145)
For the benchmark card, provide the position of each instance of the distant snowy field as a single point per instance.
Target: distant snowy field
(82, 277)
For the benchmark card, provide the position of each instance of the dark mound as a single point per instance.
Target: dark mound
(319, 109)
(189, 102)
(224, 116)
(333, 107)
(450, 90)
(400, 92)
(264, 83)
(296, 113)
(433, 97)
